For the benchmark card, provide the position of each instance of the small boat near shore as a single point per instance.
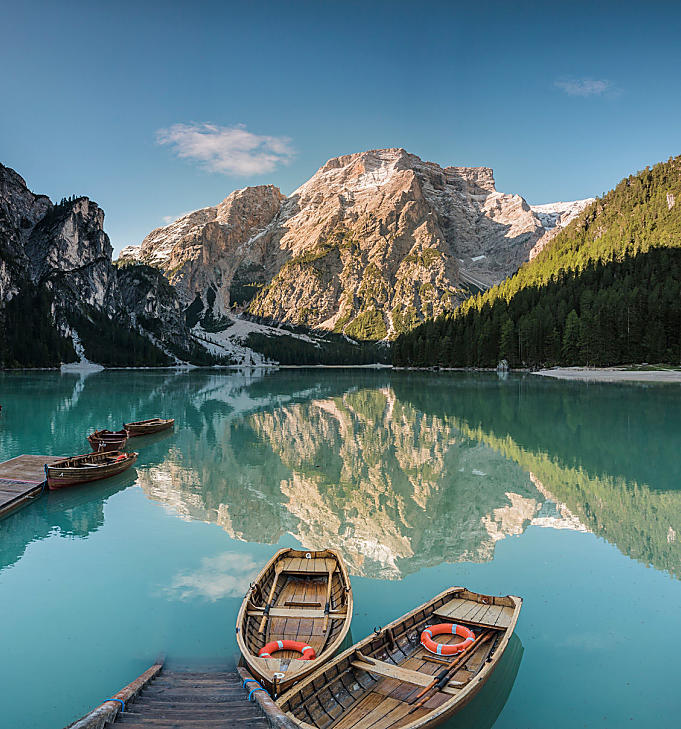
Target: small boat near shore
(295, 616)
(417, 672)
(108, 440)
(88, 467)
(147, 427)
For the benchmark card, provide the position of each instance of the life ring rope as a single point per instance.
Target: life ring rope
(442, 649)
(306, 650)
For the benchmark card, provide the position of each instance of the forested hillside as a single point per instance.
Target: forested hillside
(606, 291)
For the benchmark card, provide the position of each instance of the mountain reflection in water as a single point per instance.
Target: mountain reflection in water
(394, 488)
(397, 470)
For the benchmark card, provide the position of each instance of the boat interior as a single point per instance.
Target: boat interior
(297, 609)
(379, 684)
(91, 460)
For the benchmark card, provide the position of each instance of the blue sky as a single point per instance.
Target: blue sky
(153, 109)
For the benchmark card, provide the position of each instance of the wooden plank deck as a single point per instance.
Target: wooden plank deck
(21, 480)
(169, 700)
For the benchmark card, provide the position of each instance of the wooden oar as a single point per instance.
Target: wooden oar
(442, 678)
(327, 609)
(277, 571)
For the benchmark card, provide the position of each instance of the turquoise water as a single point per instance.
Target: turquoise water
(568, 494)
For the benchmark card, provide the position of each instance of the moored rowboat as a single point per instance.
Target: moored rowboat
(147, 427)
(295, 616)
(108, 440)
(86, 468)
(390, 680)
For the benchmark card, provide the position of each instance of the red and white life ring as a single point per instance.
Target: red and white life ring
(307, 651)
(446, 629)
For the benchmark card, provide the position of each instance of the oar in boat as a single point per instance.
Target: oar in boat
(443, 678)
(327, 609)
(277, 571)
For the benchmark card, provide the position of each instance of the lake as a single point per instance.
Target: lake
(568, 494)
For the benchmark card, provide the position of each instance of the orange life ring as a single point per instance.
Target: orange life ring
(288, 645)
(446, 629)
(122, 457)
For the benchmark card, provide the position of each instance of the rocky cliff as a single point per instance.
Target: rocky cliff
(62, 298)
(373, 243)
(20, 210)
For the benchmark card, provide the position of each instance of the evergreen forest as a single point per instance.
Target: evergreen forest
(605, 291)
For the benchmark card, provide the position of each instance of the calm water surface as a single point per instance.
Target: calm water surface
(568, 494)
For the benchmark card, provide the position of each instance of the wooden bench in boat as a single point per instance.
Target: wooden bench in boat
(476, 613)
(390, 670)
(286, 612)
(303, 566)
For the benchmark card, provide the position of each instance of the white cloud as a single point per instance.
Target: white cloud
(226, 575)
(586, 86)
(229, 150)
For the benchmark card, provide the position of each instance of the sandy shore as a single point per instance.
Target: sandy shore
(611, 374)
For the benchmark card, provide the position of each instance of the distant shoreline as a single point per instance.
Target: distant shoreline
(611, 374)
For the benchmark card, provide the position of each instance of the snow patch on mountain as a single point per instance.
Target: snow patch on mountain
(559, 214)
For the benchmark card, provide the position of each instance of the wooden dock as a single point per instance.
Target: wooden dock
(189, 700)
(21, 480)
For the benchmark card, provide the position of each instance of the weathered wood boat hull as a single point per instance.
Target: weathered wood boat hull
(147, 427)
(108, 440)
(87, 468)
(300, 595)
(383, 681)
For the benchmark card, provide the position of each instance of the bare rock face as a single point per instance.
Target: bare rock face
(20, 210)
(373, 243)
(70, 253)
(63, 252)
(200, 252)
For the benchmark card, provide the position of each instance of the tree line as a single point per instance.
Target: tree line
(607, 290)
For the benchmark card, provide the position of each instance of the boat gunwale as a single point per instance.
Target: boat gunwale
(150, 422)
(61, 465)
(447, 708)
(328, 653)
(58, 477)
(102, 440)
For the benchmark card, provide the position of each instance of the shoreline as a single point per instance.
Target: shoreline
(611, 374)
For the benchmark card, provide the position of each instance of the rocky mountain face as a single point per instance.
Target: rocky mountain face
(61, 255)
(373, 243)
(70, 254)
(20, 210)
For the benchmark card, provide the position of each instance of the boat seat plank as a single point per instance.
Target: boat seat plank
(300, 565)
(450, 606)
(504, 619)
(473, 612)
(389, 670)
(286, 612)
(478, 614)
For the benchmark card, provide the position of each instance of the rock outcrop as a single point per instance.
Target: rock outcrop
(70, 254)
(373, 243)
(56, 267)
(20, 210)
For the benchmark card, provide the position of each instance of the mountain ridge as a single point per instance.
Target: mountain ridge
(371, 244)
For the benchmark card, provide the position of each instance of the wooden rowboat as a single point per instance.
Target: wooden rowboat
(108, 440)
(299, 596)
(90, 467)
(147, 427)
(390, 680)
